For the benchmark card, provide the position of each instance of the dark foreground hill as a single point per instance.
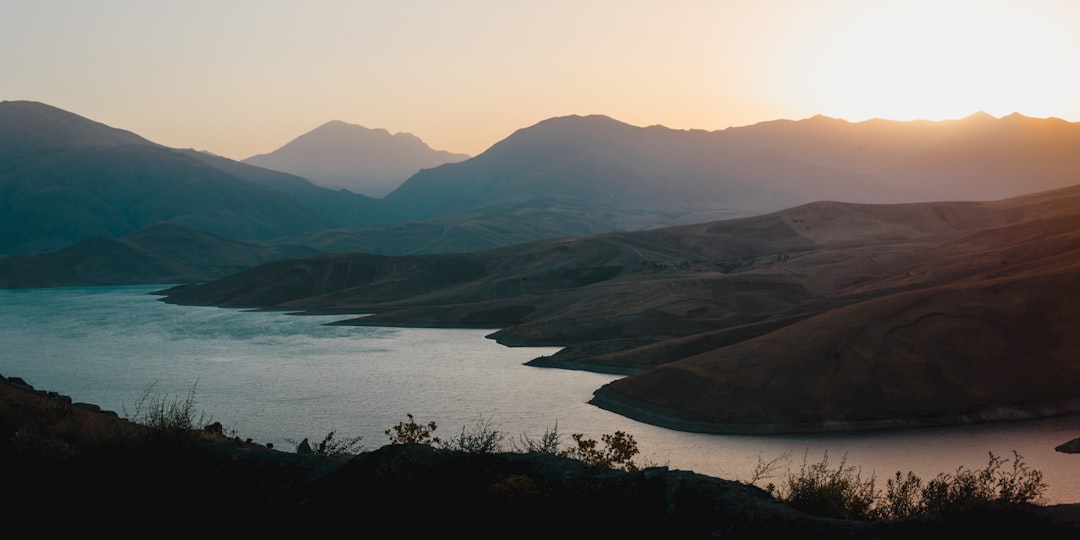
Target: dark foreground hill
(88, 472)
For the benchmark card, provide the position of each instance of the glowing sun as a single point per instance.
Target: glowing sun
(937, 60)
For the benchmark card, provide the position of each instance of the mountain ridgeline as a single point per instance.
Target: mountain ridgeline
(66, 179)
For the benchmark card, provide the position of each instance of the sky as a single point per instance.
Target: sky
(240, 78)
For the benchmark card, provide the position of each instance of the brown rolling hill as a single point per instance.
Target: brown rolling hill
(490, 227)
(823, 316)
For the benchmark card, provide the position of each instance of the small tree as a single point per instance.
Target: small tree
(412, 433)
(618, 452)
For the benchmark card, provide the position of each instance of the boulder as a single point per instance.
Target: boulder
(1071, 447)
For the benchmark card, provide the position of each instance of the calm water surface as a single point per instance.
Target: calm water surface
(279, 378)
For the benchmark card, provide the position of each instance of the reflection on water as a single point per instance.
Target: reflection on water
(279, 378)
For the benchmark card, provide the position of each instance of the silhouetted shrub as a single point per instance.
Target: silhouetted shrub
(841, 492)
(903, 496)
(331, 447)
(412, 433)
(549, 443)
(170, 420)
(617, 453)
(967, 488)
(481, 438)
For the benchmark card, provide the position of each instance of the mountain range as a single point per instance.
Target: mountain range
(979, 157)
(65, 179)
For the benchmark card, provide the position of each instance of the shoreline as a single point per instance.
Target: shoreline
(666, 418)
(571, 357)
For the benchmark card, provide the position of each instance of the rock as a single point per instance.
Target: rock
(18, 382)
(304, 447)
(1071, 447)
(215, 428)
(87, 407)
(60, 397)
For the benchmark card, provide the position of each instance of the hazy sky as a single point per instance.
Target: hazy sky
(240, 78)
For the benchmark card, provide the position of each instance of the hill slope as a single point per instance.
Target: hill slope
(66, 178)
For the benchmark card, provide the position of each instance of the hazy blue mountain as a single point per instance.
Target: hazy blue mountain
(341, 207)
(339, 155)
(29, 127)
(754, 169)
(599, 160)
(65, 178)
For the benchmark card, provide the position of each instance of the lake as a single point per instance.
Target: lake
(277, 378)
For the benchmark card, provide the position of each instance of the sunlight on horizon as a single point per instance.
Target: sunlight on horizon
(462, 77)
(935, 61)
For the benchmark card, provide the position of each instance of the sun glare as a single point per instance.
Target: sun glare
(936, 61)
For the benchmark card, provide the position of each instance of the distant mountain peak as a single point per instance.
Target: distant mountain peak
(578, 119)
(979, 116)
(336, 123)
(573, 125)
(1015, 116)
(368, 161)
(341, 134)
